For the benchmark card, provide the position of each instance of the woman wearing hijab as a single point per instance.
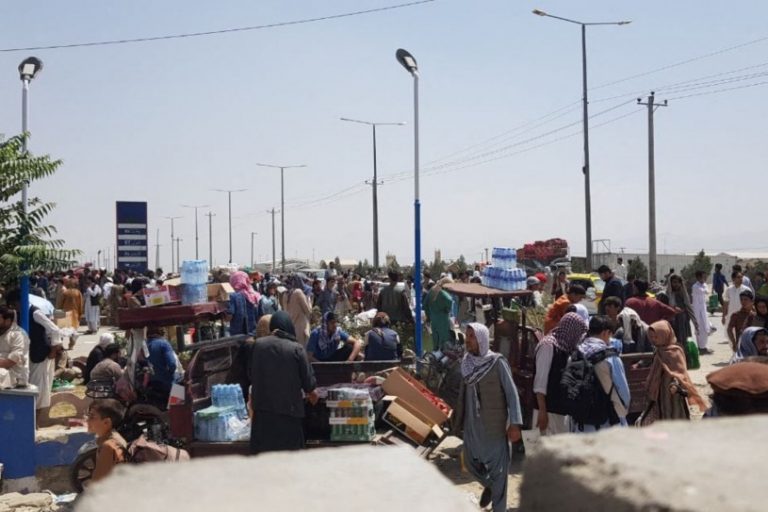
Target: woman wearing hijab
(298, 308)
(551, 355)
(679, 298)
(761, 312)
(438, 306)
(491, 424)
(753, 342)
(243, 305)
(668, 384)
(281, 378)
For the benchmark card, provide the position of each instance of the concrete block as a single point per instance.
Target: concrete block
(354, 479)
(671, 466)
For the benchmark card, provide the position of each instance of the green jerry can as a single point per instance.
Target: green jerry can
(692, 355)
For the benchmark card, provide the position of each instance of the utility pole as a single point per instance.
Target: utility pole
(173, 262)
(253, 234)
(195, 207)
(486, 255)
(157, 250)
(210, 216)
(272, 211)
(651, 186)
(178, 252)
(282, 203)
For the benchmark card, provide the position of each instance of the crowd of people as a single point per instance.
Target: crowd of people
(290, 321)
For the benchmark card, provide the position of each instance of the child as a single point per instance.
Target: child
(103, 417)
(741, 319)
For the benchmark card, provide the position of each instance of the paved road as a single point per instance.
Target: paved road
(722, 346)
(86, 342)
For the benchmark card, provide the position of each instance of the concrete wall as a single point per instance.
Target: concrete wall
(356, 479)
(672, 466)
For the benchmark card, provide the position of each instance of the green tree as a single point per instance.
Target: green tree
(25, 240)
(436, 268)
(700, 262)
(337, 264)
(461, 264)
(637, 268)
(323, 265)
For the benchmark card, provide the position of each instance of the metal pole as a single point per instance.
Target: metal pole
(24, 313)
(651, 196)
(417, 214)
(375, 205)
(252, 233)
(587, 192)
(197, 255)
(282, 217)
(173, 255)
(178, 252)
(157, 250)
(229, 193)
(274, 259)
(210, 239)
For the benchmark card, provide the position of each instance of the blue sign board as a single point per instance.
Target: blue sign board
(131, 230)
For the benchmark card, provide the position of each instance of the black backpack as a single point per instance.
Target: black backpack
(586, 401)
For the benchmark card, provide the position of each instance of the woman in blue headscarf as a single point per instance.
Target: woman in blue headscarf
(753, 342)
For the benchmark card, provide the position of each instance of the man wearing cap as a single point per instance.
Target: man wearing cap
(534, 300)
(739, 389)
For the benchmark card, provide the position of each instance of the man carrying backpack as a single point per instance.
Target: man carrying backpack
(595, 383)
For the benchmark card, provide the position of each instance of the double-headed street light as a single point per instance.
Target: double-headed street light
(195, 207)
(28, 70)
(409, 63)
(229, 196)
(585, 169)
(282, 205)
(375, 185)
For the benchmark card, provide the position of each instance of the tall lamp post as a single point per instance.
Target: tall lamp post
(585, 169)
(409, 63)
(195, 207)
(282, 205)
(229, 196)
(253, 234)
(374, 185)
(174, 263)
(28, 70)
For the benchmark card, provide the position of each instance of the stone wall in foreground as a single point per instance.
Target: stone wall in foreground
(716, 465)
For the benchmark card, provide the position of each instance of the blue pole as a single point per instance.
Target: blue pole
(24, 303)
(417, 275)
(417, 216)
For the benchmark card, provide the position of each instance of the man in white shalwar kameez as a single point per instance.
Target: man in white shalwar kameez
(93, 306)
(699, 297)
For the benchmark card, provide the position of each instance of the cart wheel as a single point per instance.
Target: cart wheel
(82, 470)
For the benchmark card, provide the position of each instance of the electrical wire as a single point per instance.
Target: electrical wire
(705, 93)
(682, 62)
(216, 32)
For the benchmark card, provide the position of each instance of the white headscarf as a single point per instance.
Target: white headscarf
(106, 339)
(583, 312)
(475, 367)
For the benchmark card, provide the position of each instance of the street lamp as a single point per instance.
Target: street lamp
(409, 63)
(176, 264)
(229, 195)
(375, 185)
(28, 70)
(282, 204)
(585, 169)
(197, 255)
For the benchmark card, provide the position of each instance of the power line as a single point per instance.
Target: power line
(217, 32)
(682, 62)
(747, 86)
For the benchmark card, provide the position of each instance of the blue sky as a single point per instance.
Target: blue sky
(168, 121)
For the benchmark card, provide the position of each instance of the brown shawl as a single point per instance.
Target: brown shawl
(670, 359)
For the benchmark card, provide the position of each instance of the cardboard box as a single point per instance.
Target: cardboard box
(409, 421)
(402, 385)
(157, 296)
(219, 292)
